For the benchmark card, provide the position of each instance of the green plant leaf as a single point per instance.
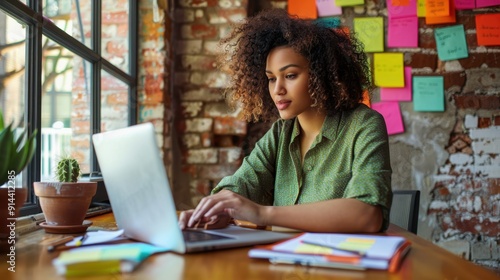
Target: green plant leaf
(25, 153)
(7, 145)
(2, 124)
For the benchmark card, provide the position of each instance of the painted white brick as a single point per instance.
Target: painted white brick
(491, 146)
(481, 133)
(202, 156)
(443, 177)
(471, 121)
(438, 204)
(488, 170)
(482, 159)
(461, 159)
(199, 125)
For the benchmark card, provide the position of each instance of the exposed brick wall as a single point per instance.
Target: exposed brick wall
(209, 134)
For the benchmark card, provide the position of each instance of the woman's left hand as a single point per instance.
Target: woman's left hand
(228, 203)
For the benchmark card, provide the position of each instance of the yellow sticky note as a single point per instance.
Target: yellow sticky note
(370, 31)
(313, 249)
(389, 69)
(421, 11)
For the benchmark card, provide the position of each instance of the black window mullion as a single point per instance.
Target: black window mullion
(95, 108)
(133, 50)
(33, 109)
(67, 41)
(19, 11)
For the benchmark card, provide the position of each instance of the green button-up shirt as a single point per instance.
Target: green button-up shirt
(348, 159)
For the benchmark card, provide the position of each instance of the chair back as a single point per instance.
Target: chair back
(404, 209)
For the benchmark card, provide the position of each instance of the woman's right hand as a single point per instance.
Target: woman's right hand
(220, 221)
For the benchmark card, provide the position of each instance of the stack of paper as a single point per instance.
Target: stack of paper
(348, 251)
(105, 259)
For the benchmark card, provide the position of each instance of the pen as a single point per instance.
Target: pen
(52, 247)
(80, 242)
(357, 252)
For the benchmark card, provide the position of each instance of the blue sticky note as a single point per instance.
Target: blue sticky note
(450, 42)
(428, 94)
(328, 22)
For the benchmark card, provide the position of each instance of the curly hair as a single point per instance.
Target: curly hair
(338, 68)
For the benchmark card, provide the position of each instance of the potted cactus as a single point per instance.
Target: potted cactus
(15, 153)
(65, 203)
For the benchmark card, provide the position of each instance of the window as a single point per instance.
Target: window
(68, 70)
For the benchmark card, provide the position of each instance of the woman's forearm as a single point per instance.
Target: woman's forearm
(336, 215)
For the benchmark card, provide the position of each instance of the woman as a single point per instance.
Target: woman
(324, 166)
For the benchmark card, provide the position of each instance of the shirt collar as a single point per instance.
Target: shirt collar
(328, 130)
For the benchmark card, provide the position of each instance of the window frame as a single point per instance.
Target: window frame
(37, 26)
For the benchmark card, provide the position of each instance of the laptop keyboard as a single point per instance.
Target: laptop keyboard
(199, 236)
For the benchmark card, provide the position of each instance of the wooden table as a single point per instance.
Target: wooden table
(424, 261)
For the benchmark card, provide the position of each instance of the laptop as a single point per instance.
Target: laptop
(141, 198)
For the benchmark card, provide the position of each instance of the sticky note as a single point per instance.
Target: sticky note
(437, 8)
(450, 42)
(392, 116)
(327, 8)
(398, 94)
(342, 3)
(402, 32)
(305, 9)
(398, 11)
(388, 69)
(451, 18)
(488, 29)
(428, 94)
(421, 8)
(329, 22)
(487, 3)
(464, 4)
(370, 32)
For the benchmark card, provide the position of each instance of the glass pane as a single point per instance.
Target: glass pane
(115, 26)
(114, 103)
(74, 17)
(65, 108)
(12, 74)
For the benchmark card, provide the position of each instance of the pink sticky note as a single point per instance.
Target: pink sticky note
(398, 94)
(465, 4)
(392, 116)
(402, 11)
(486, 3)
(402, 32)
(327, 8)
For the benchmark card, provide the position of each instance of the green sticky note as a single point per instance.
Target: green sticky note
(450, 42)
(370, 32)
(428, 94)
(341, 3)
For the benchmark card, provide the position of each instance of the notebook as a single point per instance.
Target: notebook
(141, 198)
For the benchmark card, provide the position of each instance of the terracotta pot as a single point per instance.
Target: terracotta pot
(7, 231)
(65, 204)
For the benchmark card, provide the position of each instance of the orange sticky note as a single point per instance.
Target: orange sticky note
(366, 98)
(437, 8)
(305, 9)
(488, 29)
(451, 18)
(400, 2)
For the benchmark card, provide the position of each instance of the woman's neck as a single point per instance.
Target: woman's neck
(310, 126)
(311, 123)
